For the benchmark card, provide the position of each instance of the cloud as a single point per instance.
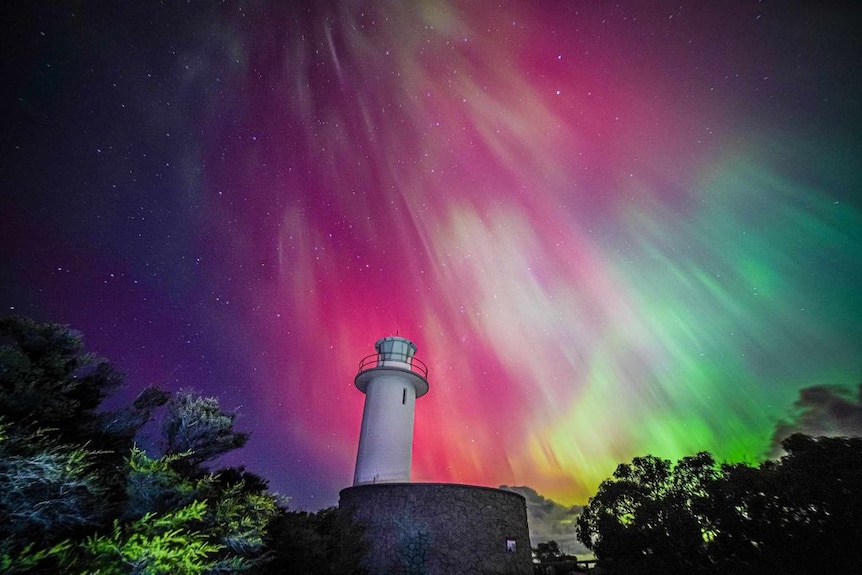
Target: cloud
(549, 520)
(822, 410)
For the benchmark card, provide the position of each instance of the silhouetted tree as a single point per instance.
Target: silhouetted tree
(549, 551)
(801, 514)
(820, 483)
(551, 561)
(76, 494)
(47, 380)
(650, 517)
(328, 542)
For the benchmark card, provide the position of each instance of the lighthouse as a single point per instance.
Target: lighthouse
(392, 380)
(422, 527)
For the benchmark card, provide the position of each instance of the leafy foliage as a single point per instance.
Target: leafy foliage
(548, 558)
(153, 544)
(46, 378)
(197, 426)
(548, 552)
(154, 485)
(324, 543)
(29, 558)
(801, 514)
(797, 515)
(652, 514)
(46, 490)
(50, 392)
(78, 496)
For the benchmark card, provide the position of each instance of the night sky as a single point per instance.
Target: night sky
(611, 229)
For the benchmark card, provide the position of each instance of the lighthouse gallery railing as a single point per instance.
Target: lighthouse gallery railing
(378, 359)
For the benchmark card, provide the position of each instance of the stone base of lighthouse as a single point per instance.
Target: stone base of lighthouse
(441, 528)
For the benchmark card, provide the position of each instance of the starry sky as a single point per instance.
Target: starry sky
(611, 229)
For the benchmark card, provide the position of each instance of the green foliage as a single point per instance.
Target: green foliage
(236, 517)
(28, 558)
(154, 544)
(77, 495)
(154, 485)
(548, 558)
(801, 514)
(241, 519)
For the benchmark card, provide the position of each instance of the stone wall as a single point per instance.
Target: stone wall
(441, 528)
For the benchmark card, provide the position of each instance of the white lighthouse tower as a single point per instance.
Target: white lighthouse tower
(392, 380)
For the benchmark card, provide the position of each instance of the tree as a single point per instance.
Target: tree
(48, 491)
(59, 473)
(47, 380)
(651, 516)
(548, 552)
(328, 542)
(798, 515)
(51, 389)
(196, 427)
(78, 496)
(549, 559)
(165, 544)
(228, 526)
